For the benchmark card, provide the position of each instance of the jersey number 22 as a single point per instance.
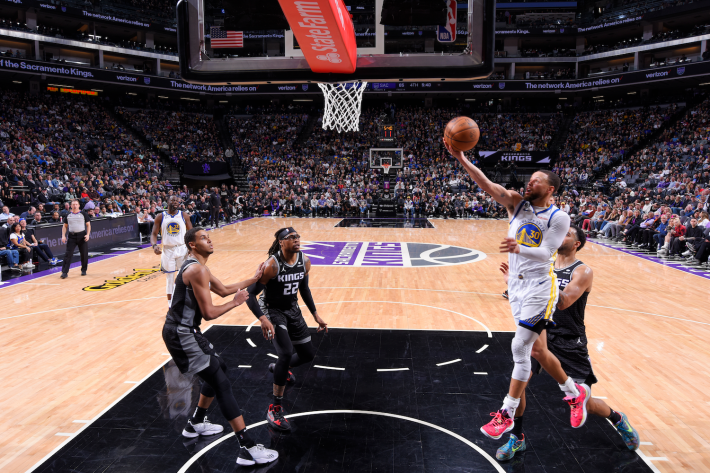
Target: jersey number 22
(290, 289)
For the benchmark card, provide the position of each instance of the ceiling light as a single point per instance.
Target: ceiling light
(303, 100)
(96, 90)
(17, 82)
(631, 93)
(61, 85)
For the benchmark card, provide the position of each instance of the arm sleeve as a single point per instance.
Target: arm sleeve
(253, 304)
(306, 295)
(552, 241)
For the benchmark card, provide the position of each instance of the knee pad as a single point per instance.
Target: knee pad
(521, 357)
(169, 283)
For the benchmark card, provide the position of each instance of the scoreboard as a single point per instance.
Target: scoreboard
(387, 135)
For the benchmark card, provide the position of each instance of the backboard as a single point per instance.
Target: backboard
(390, 158)
(385, 53)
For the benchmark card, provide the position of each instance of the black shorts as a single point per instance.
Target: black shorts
(190, 350)
(292, 320)
(573, 356)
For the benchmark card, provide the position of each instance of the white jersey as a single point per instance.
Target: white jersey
(172, 230)
(539, 232)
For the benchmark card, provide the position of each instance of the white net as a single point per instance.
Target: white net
(342, 106)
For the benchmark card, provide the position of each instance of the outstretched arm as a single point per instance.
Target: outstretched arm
(198, 278)
(581, 282)
(506, 198)
(223, 290)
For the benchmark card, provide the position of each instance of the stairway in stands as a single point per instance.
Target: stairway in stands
(651, 138)
(562, 131)
(307, 129)
(170, 171)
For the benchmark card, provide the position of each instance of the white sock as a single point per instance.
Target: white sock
(569, 388)
(510, 404)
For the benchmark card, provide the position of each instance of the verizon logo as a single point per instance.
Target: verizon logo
(657, 74)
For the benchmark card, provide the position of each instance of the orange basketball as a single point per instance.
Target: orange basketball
(462, 133)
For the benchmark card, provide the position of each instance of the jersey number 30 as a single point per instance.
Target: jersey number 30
(290, 289)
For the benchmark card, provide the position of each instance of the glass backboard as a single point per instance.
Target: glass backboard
(385, 53)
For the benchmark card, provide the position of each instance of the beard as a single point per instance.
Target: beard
(532, 195)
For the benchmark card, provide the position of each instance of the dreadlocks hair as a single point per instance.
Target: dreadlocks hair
(276, 246)
(191, 236)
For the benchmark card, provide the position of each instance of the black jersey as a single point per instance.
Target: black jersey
(184, 309)
(570, 321)
(282, 290)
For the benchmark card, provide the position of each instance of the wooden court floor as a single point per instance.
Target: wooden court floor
(68, 354)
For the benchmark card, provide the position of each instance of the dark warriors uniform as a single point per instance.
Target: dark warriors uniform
(567, 339)
(279, 301)
(182, 335)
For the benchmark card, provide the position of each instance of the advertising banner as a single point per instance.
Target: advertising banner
(104, 231)
(206, 169)
(325, 34)
(538, 159)
(644, 77)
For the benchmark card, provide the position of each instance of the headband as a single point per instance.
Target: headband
(286, 232)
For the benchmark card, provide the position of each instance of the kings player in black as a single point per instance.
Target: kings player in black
(285, 275)
(193, 354)
(567, 340)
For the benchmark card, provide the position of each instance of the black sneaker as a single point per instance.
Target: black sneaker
(83, 273)
(276, 419)
(505, 294)
(64, 275)
(291, 377)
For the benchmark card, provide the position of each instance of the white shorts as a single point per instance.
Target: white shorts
(532, 300)
(171, 259)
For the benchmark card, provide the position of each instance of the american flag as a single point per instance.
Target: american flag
(225, 39)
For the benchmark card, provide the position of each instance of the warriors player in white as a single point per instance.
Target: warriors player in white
(536, 231)
(172, 226)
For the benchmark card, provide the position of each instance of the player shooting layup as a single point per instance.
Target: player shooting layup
(173, 225)
(535, 233)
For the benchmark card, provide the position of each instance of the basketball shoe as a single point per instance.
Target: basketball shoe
(276, 419)
(628, 433)
(578, 406)
(258, 454)
(508, 451)
(291, 377)
(500, 424)
(203, 428)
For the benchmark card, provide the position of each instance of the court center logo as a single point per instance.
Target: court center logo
(529, 234)
(122, 281)
(388, 254)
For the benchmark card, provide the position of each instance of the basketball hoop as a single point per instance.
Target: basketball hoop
(386, 168)
(342, 105)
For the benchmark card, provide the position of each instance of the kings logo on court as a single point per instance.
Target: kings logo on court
(388, 254)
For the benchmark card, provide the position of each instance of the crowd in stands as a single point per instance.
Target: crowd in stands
(656, 200)
(596, 139)
(184, 136)
(329, 174)
(57, 148)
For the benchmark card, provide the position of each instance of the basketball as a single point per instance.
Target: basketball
(462, 133)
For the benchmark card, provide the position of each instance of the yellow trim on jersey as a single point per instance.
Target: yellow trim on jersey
(553, 290)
